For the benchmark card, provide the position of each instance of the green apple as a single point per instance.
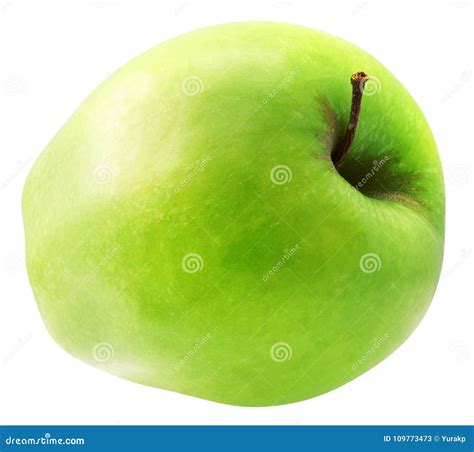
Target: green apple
(188, 229)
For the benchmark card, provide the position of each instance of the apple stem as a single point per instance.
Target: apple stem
(358, 82)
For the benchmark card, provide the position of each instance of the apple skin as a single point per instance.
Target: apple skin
(167, 244)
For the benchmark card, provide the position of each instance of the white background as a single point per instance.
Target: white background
(54, 53)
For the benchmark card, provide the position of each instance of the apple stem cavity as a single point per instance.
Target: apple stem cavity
(339, 153)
